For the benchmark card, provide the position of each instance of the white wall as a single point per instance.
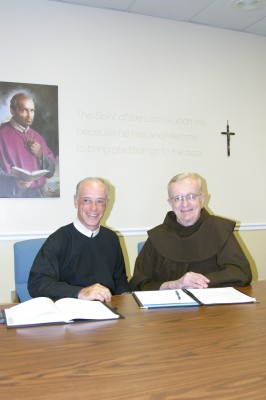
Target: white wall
(140, 100)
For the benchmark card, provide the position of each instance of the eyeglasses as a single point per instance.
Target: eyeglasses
(191, 197)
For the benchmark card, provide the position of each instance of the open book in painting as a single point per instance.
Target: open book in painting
(25, 175)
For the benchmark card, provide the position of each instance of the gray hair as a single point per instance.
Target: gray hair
(181, 177)
(92, 179)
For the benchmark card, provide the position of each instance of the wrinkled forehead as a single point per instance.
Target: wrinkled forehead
(185, 186)
(92, 189)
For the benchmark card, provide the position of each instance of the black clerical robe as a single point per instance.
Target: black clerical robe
(69, 261)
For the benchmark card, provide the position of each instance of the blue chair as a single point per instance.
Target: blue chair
(24, 253)
(140, 245)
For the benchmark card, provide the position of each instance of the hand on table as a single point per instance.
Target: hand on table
(95, 292)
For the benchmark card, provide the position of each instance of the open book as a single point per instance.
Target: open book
(190, 297)
(43, 310)
(26, 175)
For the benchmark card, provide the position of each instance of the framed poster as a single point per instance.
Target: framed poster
(29, 141)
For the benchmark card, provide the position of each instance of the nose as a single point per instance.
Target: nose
(93, 204)
(184, 201)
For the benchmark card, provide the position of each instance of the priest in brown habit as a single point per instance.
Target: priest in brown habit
(192, 248)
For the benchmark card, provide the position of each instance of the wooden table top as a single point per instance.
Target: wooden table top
(213, 352)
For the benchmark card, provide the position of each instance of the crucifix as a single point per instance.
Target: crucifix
(228, 133)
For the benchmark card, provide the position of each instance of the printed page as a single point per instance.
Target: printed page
(84, 309)
(164, 298)
(226, 295)
(35, 311)
(24, 174)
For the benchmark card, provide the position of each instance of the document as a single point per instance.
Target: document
(163, 298)
(190, 297)
(26, 175)
(223, 295)
(42, 310)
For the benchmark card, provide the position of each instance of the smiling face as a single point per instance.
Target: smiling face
(187, 210)
(91, 203)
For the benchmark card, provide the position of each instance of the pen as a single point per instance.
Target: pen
(178, 295)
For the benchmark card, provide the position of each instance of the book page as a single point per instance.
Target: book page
(226, 295)
(164, 298)
(26, 175)
(35, 311)
(84, 309)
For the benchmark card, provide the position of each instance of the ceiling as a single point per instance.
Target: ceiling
(240, 15)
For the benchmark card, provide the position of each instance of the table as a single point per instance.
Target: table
(214, 352)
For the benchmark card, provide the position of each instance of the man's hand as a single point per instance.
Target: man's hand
(95, 292)
(193, 280)
(23, 184)
(189, 280)
(36, 150)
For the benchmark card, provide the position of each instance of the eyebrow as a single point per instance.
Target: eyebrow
(93, 198)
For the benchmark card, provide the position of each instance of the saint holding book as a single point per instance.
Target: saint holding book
(23, 147)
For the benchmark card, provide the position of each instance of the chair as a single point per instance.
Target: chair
(24, 254)
(140, 245)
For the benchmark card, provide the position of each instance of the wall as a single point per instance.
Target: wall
(140, 99)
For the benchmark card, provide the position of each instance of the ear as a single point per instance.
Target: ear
(75, 201)
(170, 203)
(202, 200)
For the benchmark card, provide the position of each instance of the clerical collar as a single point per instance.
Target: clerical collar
(85, 231)
(17, 126)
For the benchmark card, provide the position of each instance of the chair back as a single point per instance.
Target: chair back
(24, 253)
(140, 245)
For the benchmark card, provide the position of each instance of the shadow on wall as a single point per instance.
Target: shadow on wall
(248, 255)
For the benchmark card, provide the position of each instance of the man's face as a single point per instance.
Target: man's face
(91, 204)
(24, 112)
(187, 211)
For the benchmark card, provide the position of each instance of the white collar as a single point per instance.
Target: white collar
(85, 231)
(17, 126)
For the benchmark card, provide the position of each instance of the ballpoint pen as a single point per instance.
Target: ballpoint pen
(178, 295)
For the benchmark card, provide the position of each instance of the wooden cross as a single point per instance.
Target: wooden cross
(228, 133)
